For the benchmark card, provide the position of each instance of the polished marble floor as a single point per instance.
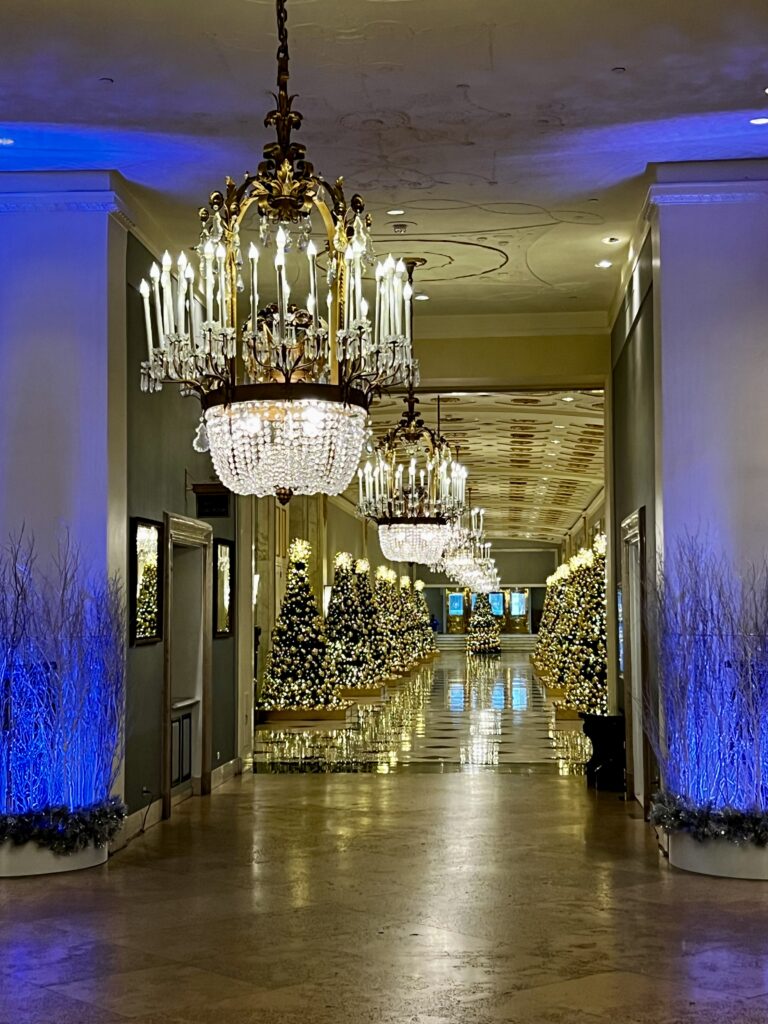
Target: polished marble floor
(457, 898)
(454, 714)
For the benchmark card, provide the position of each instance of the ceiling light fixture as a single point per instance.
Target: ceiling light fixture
(421, 297)
(413, 488)
(603, 264)
(5, 141)
(285, 389)
(395, 213)
(758, 120)
(567, 398)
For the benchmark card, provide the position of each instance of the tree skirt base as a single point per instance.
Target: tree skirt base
(367, 693)
(718, 857)
(309, 715)
(563, 714)
(31, 859)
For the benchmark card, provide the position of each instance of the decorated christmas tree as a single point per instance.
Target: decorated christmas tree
(484, 635)
(409, 624)
(297, 673)
(389, 616)
(347, 659)
(427, 641)
(374, 639)
(585, 675)
(571, 649)
(550, 651)
(147, 603)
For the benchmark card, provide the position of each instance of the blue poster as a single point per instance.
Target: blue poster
(455, 604)
(497, 603)
(518, 604)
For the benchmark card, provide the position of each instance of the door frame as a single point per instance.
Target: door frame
(188, 533)
(633, 533)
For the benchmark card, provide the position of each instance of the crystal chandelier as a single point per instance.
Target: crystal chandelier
(413, 488)
(467, 559)
(284, 387)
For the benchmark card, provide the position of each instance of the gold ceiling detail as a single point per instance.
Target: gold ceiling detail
(535, 461)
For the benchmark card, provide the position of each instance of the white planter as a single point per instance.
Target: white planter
(31, 859)
(718, 857)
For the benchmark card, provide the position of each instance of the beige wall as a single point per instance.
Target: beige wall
(526, 361)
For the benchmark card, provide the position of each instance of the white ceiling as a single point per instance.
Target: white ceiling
(499, 127)
(535, 460)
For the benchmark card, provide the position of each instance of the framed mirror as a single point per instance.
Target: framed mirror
(146, 588)
(223, 579)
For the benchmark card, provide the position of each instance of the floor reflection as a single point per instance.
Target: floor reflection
(459, 713)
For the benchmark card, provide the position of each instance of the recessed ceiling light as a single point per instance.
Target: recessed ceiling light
(611, 240)
(395, 213)
(6, 142)
(567, 398)
(421, 297)
(603, 264)
(758, 120)
(559, 426)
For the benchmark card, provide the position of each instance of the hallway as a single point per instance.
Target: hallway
(454, 714)
(406, 899)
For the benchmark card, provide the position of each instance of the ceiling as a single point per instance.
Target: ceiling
(535, 460)
(514, 136)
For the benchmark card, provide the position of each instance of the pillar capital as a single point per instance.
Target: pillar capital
(718, 183)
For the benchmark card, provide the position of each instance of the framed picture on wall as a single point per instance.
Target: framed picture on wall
(146, 581)
(223, 579)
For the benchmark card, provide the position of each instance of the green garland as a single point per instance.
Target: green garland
(676, 814)
(63, 831)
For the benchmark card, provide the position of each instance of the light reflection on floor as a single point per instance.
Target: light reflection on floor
(455, 714)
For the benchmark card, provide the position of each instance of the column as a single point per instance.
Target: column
(710, 236)
(63, 358)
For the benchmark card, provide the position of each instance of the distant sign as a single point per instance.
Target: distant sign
(455, 604)
(518, 604)
(497, 603)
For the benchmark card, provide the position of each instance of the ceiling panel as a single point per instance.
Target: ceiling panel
(535, 460)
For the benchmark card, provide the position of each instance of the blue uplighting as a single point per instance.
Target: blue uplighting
(61, 694)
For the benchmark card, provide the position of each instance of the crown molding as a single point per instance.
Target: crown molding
(101, 192)
(704, 193)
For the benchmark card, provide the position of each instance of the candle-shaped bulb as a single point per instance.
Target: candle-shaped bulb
(189, 273)
(349, 254)
(167, 261)
(364, 308)
(144, 290)
(221, 252)
(208, 249)
(154, 272)
(400, 267)
(253, 252)
(407, 293)
(311, 250)
(281, 238)
(389, 264)
(379, 272)
(181, 263)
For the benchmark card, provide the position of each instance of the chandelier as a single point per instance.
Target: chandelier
(467, 558)
(413, 488)
(284, 386)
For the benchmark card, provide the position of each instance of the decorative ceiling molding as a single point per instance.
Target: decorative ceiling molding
(535, 461)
